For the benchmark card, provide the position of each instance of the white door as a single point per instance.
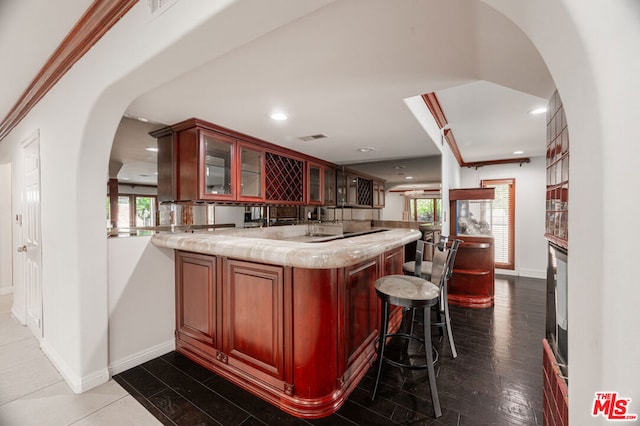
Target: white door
(31, 248)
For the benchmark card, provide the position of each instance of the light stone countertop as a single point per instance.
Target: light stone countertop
(287, 245)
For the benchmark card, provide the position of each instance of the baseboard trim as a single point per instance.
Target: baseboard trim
(6, 290)
(533, 273)
(527, 273)
(78, 384)
(141, 357)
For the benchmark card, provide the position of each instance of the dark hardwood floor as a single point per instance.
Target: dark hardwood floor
(496, 379)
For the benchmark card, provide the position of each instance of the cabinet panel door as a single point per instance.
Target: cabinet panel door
(251, 173)
(254, 316)
(393, 260)
(361, 307)
(314, 184)
(329, 186)
(196, 296)
(216, 177)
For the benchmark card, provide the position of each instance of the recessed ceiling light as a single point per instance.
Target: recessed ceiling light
(123, 178)
(408, 177)
(399, 167)
(518, 152)
(279, 116)
(537, 111)
(366, 149)
(152, 149)
(144, 120)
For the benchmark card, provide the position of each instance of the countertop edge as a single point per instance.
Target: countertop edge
(324, 255)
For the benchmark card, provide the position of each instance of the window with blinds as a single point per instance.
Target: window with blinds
(503, 227)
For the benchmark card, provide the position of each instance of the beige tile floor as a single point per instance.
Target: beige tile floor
(32, 392)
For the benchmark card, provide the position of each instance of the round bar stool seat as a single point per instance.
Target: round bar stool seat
(407, 291)
(412, 293)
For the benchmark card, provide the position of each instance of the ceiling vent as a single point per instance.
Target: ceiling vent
(312, 137)
(160, 6)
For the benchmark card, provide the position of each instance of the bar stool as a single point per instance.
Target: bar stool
(412, 293)
(424, 270)
(420, 267)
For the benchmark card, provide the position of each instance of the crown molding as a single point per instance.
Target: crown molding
(99, 18)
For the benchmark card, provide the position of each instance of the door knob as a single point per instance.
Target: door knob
(22, 249)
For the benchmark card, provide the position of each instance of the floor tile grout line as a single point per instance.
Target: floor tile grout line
(375, 412)
(18, 341)
(184, 396)
(31, 393)
(101, 408)
(206, 386)
(147, 400)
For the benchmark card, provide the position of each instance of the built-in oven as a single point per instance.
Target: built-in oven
(557, 324)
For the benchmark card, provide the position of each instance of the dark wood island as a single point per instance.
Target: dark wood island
(290, 319)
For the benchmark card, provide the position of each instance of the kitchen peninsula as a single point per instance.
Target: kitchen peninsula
(288, 316)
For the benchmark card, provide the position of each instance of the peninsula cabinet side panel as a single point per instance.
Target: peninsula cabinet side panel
(315, 328)
(255, 314)
(196, 298)
(360, 308)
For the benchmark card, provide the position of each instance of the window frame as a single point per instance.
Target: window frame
(413, 207)
(490, 183)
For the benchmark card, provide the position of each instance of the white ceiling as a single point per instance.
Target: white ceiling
(344, 70)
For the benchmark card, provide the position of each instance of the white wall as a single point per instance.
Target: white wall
(591, 51)
(141, 302)
(393, 206)
(530, 244)
(450, 179)
(6, 242)
(76, 143)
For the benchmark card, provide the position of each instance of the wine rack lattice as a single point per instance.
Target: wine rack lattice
(365, 192)
(284, 178)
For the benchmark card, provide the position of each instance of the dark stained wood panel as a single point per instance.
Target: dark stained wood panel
(195, 296)
(254, 315)
(361, 307)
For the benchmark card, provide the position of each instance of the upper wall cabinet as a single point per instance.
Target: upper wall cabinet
(321, 185)
(200, 161)
(284, 179)
(357, 190)
(378, 194)
(252, 173)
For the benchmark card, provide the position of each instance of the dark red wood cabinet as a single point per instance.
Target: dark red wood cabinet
(298, 338)
(472, 284)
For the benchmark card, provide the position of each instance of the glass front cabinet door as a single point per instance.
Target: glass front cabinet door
(216, 166)
(315, 186)
(251, 173)
(329, 186)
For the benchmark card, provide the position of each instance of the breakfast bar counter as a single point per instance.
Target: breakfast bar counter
(288, 313)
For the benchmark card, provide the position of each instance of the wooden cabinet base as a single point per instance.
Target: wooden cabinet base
(307, 339)
(472, 283)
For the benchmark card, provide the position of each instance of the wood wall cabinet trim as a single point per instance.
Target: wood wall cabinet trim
(241, 174)
(315, 186)
(378, 194)
(186, 164)
(254, 319)
(299, 338)
(182, 171)
(329, 183)
(284, 179)
(196, 297)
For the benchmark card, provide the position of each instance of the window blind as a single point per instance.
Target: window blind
(503, 221)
